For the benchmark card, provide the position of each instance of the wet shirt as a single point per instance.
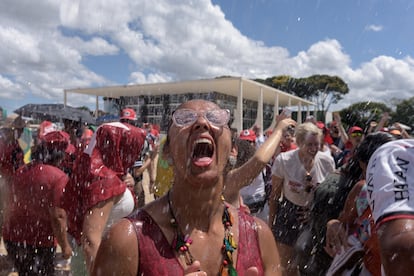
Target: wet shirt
(97, 173)
(390, 176)
(157, 257)
(287, 165)
(34, 189)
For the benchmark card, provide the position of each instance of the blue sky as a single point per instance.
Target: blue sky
(48, 46)
(296, 25)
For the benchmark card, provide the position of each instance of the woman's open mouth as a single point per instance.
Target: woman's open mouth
(203, 150)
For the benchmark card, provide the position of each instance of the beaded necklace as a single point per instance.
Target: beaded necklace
(181, 243)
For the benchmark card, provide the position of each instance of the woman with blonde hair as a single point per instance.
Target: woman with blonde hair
(296, 174)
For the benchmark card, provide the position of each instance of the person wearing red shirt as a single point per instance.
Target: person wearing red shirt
(355, 137)
(35, 223)
(97, 194)
(11, 156)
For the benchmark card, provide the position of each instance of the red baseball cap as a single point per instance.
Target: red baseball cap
(87, 134)
(128, 114)
(320, 125)
(248, 135)
(46, 127)
(355, 129)
(58, 140)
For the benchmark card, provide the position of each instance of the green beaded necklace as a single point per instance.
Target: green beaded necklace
(181, 243)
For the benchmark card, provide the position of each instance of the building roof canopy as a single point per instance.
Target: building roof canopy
(226, 85)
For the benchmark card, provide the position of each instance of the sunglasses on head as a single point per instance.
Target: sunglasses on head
(187, 117)
(356, 134)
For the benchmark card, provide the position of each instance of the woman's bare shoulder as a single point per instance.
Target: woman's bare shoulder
(118, 252)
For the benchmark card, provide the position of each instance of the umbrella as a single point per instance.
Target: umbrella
(107, 118)
(55, 112)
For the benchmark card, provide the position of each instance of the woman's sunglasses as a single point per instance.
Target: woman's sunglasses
(308, 187)
(356, 134)
(187, 117)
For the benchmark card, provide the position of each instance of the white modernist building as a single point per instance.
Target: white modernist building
(236, 89)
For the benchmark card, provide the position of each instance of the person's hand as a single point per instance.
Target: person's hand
(335, 150)
(284, 123)
(252, 271)
(128, 180)
(66, 252)
(154, 151)
(194, 270)
(336, 237)
(337, 117)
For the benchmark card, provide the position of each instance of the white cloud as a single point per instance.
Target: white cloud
(10, 88)
(374, 28)
(141, 78)
(43, 47)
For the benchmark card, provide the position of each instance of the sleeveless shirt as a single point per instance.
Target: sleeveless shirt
(157, 257)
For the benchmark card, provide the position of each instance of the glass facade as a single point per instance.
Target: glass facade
(157, 109)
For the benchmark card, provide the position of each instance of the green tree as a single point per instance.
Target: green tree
(324, 90)
(362, 113)
(404, 112)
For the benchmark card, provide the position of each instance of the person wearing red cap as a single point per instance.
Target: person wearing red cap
(128, 115)
(248, 135)
(35, 222)
(355, 137)
(97, 194)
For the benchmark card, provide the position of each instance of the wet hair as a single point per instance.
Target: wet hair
(245, 151)
(47, 155)
(370, 144)
(305, 129)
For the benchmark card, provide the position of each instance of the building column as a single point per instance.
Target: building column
(238, 113)
(96, 107)
(299, 120)
(259, 115)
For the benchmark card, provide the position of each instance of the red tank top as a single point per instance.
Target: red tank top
(157, 257)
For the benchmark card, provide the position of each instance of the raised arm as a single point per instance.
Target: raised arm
(342, 131)
(244, 175)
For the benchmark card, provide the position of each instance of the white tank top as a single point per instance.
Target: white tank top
(122, 208)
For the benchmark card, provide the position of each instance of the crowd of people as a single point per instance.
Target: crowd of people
(304, 198)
